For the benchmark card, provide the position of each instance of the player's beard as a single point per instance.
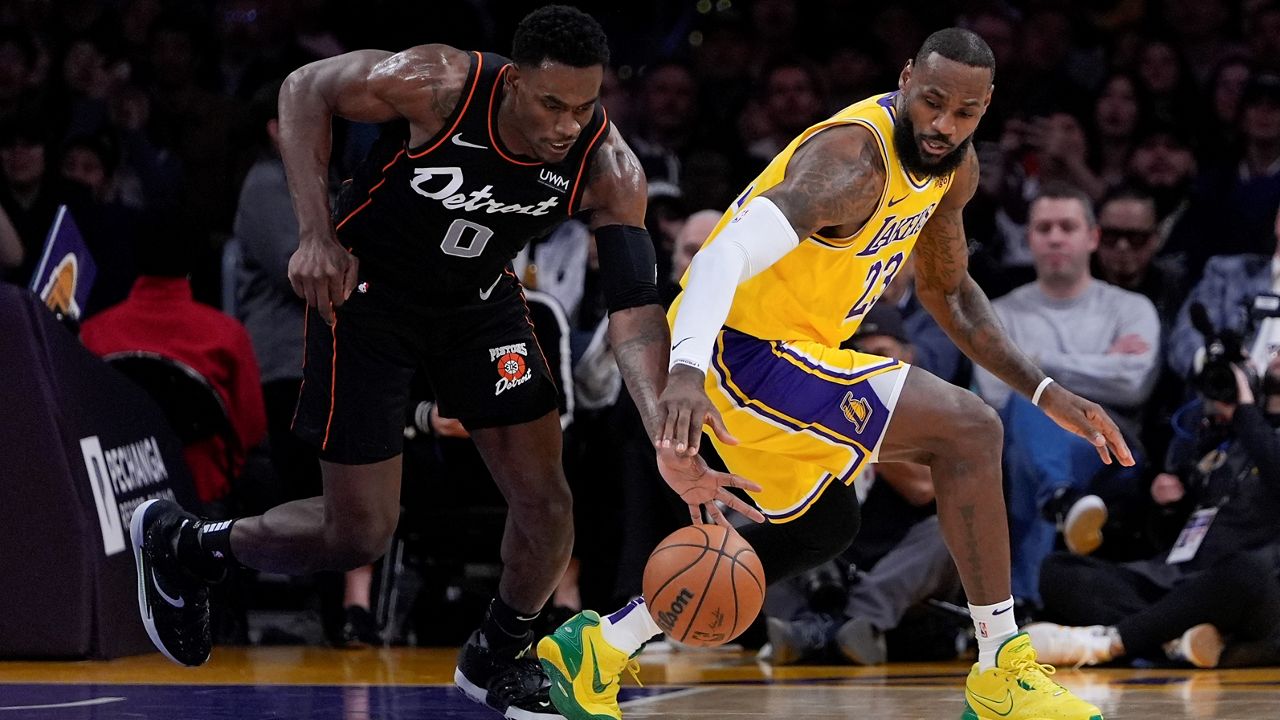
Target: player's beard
(904, 141)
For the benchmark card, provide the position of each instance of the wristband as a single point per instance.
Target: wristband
(1035, 398)
(422, 416)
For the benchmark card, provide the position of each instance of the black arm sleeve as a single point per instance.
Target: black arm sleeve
(628, 267)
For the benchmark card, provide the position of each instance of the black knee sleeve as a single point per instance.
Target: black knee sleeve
(822, 533)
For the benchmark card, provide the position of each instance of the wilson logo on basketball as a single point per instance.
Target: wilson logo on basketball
(667, 619)
(512, 368)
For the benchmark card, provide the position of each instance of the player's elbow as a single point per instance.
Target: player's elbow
(717, 259)
(919, 494)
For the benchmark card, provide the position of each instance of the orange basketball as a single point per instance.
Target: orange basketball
(704, 585)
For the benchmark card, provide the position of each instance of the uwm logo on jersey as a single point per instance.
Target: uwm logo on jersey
(895, 229)
(553, 181)
(445, 183)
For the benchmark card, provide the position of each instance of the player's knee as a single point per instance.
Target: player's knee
(974, 428)
(358, 541)
(544, 499)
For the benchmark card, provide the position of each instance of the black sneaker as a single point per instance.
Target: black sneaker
(505, 679)
(174, 604)
(359, 630)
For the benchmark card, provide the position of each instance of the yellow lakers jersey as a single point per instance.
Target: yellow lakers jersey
(821, 290)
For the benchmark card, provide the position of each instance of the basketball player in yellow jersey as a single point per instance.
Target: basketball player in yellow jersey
(788, 274)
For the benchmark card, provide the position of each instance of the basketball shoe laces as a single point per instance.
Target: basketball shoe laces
(1032, 675)
(633, 667)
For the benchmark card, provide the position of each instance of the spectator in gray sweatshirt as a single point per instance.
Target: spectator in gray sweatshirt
(1098, 341)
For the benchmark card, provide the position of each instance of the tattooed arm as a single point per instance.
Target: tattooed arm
(962, 309)
(833, 180)
(617, 194)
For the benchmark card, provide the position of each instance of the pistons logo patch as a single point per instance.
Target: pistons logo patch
(512, 365)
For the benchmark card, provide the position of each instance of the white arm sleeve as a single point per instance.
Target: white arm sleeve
(757, 237)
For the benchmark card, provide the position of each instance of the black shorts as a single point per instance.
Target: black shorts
(482, 361)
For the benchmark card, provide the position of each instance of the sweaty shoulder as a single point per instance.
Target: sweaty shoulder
(425, 82)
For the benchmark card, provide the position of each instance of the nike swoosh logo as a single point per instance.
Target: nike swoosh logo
(891, 202)
(596, 685)
(484, 294)
(673, 347)
(457, 140)
(1002, 610)
(1001, 707)
(177, 602)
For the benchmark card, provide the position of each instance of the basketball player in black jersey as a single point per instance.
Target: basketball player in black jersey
(479, 155)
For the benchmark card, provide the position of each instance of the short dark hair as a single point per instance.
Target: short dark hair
(561, 34)
(1066, 191)
(1127, 192)
(960, 45)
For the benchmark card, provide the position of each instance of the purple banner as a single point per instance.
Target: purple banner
(66, 269)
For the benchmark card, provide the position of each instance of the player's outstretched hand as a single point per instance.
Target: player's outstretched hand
(323, 273)
(682, 411)
(1088, 420)
(700, 486)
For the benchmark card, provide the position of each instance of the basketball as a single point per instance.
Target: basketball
(704, 585)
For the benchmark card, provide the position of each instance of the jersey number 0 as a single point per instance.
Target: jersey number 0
(458, 242)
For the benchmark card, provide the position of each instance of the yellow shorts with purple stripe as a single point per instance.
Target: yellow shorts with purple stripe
(805, 415)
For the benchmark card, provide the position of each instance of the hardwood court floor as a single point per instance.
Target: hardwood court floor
(404, 684)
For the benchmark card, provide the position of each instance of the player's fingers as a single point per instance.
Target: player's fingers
(718, 517)
(324, 305)
(336, 291)
(1116, 443)
(350, 276)
(718, 427)
(695, 514)
(739, 505)
(743, 484)
(298, 288)
(682, 432)
(308, 293)
(668, 422)
(1103, 453)
(1112, 442)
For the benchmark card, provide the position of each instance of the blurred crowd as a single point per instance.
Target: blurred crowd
(1130, 171)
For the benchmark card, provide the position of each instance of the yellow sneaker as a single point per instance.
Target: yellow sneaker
(1019, 688)
(585, 670)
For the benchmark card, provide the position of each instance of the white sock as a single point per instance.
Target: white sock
(993, 624)
(630, 627)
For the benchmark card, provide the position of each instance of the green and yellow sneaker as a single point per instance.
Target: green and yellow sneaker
(1019, 688)
(585, 670)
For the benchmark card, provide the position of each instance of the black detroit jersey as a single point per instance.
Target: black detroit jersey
(440, 222)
